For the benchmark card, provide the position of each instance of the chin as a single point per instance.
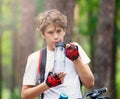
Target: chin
(53, 48)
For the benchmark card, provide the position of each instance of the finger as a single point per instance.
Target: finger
(61, 75)
(67, 46)
(60, 72)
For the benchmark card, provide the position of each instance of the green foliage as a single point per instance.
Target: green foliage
(7, 48)
(39, 5)
(118, 74)
(117, 35)
(88, 16)
(6, 13)
(117, 22)
(15, 94)
(5, 93)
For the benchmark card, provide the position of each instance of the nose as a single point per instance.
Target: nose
(56, 35)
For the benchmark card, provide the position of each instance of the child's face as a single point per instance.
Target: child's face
(53, 34)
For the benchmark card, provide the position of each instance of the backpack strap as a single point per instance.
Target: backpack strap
(42, 66)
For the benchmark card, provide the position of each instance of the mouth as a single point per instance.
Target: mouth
(57, 43)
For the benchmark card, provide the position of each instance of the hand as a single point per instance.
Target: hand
(72, 51)
(55, 79)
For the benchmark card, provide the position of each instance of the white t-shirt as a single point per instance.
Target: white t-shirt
(71, 85)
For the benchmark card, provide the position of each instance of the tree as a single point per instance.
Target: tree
(67, 8)
(27, 36)
(104, 68)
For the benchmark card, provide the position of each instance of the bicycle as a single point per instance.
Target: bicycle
(96, 94)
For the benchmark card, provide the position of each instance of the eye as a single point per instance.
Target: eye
(50, 32)
(59, 30)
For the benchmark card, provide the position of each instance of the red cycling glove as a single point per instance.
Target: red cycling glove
(72, 52)
(52, 80)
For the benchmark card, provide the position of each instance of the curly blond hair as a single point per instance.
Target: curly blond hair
(54, 17)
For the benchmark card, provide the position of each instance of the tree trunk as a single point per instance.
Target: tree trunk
(104, 49)
(27, 36)
(67, 8)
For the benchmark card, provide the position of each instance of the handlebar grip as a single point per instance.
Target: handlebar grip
(102, 90)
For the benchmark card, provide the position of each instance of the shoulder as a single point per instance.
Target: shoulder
(34, 55)
(32, 60)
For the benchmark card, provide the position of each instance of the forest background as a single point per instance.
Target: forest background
(94, 24)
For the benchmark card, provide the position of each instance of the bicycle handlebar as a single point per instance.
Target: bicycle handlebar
(95, 94)
(102, 90)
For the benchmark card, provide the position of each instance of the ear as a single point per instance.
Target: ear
(43, 35)
(64, 31)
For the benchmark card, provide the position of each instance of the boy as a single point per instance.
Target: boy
(52, 25)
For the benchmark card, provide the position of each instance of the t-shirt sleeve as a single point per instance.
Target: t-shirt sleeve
(85, 59)
(30, 75)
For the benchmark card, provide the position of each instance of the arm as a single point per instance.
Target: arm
(30, 92)
(84, 73)
(83, 70)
